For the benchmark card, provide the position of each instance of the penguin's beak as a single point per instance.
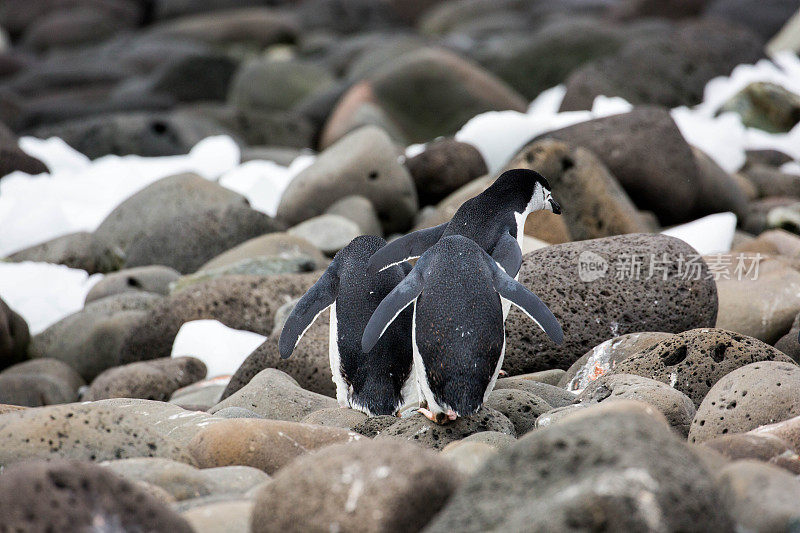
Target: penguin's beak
(554, 207)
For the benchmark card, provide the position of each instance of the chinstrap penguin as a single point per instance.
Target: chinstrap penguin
(380, 380)
(458, 330)
(494, 220)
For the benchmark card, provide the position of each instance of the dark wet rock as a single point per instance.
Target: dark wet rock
(763, 17)
(420, 430)
(364, 163)
(674, 9)
(597, 204)
(81, 250)
(346, 16)
(760, 497)
(194, 78)
(521, 407)
(266, 84)
(646, 153)
(264, 444)
(13, 158)
(14, 336)
(751, 396)
(277, 396)
(676, 407)
(140, 133)
(74, 495)
(39, 382)
(604, 357)
(595, 305)
(666, 68)
(153, 279)
(90, 340)
(150, 380)
(693, 361)
(444, 166)
(365, 486)
(90, 431)
(239, 302)
(603, 460)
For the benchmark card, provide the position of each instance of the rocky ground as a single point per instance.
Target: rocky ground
(174, 174)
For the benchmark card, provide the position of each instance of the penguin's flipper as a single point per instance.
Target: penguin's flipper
(531, 305)
(406, 247)
(316, 300)
(507, 254)
(401, 297)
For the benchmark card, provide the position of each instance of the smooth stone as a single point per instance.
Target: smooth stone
(521, 407)
(39, 382)
(80, 250)
(14, 336)
(751, 396)
(763, 301)
(181, 481)
(336, 417)
(267, 84)
(604, 357)
(267, 445)
(761, 447)
(262, 266)
(360, 486)
(229, 516)
(596, 305)
(239, 302)
(693, 361)
(272, 245)
(443, 167)
(760, 497)
(770, 181)
(202, 395)
(495, 439)
(765, 106)
(13, 158)
(276, 396)
(419, 430)
(468, 457)
(150, 380)
(236, 412)
(329, 233)
(598, 206)
(673, 404)
(87, 431)
(554, 396)
(364, 163)
(154, 279)
(358, 209)
(72, 496)
(603, 460)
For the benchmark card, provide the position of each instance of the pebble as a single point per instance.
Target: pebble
(150, 380)
(364, 486)
(693, 361)
(267, 445)
(68, 495)
(751, 396)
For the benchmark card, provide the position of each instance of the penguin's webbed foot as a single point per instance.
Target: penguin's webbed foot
(502, 374)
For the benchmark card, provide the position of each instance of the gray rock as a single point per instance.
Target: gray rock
(150, 380)
(364, 163)
(552, 395)
(236, 412)
(87, 431)
(329, 233)
(262, 266)
(606, 461)
(693, 361)
(74, 496)
(91, 340)
(520, 407)
(750, 396)
(364, 486)
(420, 430)
(266, 84)
(81, 250)
(468, 457)
(277, 245)
(443, 167)
(761, 447)
(14, 336)
(154, 279)
(276, 396)
(375, 424)
(359, 210)
(596, 305)
(180, 480)
(39, 382)
(201, 395)
(495, 439)
(676, 407)
(336, 417)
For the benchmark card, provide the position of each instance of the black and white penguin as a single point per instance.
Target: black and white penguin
(494, 219)
(379, 381)
(458, 330)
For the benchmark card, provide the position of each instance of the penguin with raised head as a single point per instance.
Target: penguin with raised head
(378, 381)
(494, 220)
(458, 330)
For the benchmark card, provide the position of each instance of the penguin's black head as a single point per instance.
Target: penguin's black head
(529, 187)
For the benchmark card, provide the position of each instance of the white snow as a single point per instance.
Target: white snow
(712, 234)
(43, 293)
(221, 348)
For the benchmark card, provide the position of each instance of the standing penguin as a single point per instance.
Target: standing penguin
(377, 381)
(458, 330)
(494, 220)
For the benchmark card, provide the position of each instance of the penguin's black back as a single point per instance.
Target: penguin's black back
(377, 377)
(459, 323)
